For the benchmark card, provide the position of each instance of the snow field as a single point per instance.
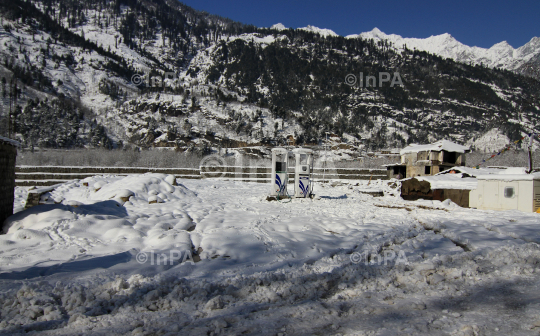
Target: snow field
(450, 295)
(265, 268)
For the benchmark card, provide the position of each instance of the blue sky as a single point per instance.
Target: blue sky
(479, 23)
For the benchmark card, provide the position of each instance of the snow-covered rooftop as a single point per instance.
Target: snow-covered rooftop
(440, 145)
(491, 173)
(450, 181)
(473, 171)
(511, 175)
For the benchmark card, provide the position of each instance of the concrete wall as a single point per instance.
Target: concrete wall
(458, 196)
(8, 154)
(420, 170)
(49, 175)
(536, 204)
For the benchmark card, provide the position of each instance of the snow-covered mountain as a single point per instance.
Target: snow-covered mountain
(501, 55)
(278, 26)
(321, 31)
(236, 85)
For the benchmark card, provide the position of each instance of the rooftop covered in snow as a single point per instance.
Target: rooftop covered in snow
(466, 178)
(490, 172)
(474, 172)
(450, 181)
(511, 174)
(440, 145)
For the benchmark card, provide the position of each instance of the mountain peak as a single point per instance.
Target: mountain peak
(321, 31)
(530, 48)
(444, 38)
(504, 45)
(375, 33)
(534, 42)
(278, 26)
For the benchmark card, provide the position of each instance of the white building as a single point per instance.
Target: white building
(508, 190)
(500, 188)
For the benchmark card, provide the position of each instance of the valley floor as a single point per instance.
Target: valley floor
(87, 263)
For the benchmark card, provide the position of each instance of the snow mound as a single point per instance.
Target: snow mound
(30, 234)
(110, 218)
(139, 187)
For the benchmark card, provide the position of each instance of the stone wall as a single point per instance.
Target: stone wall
(413, 189)
(34, 195)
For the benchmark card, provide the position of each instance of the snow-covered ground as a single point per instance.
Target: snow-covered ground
(87, 263)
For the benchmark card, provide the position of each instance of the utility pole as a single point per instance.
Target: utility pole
(530, 152)
(325, 155)
(10, 100)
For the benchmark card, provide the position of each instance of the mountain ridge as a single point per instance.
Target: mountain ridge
(500, 55)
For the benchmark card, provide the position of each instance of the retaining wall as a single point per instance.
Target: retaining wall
(51, 175)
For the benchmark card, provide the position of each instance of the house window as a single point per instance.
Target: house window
(450, 157)
(509, 192)
(427, 170)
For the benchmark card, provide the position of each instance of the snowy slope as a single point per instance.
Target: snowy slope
(500, 55)
(492, 141)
